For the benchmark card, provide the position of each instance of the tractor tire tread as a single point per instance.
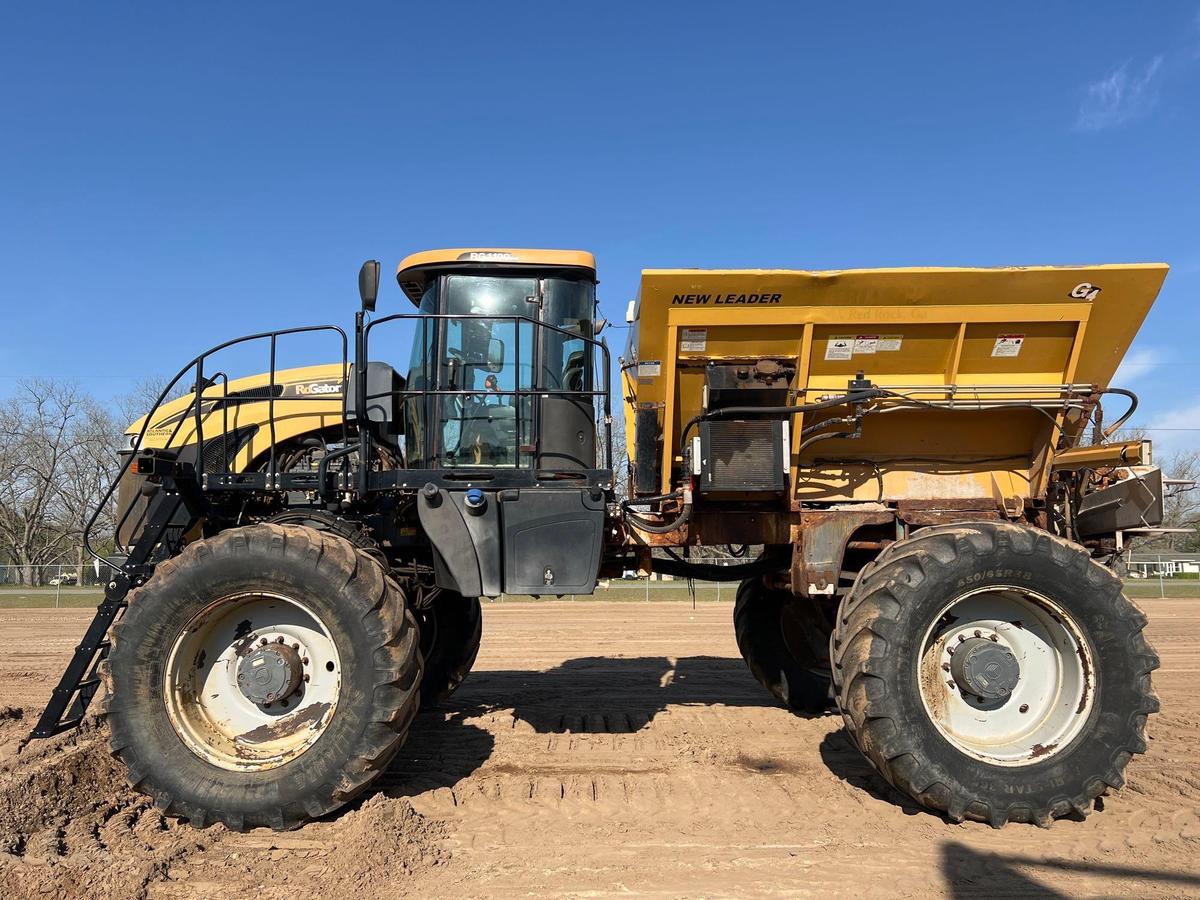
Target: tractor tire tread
(859, 651)
(396, 671)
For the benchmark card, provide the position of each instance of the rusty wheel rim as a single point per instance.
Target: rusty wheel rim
(1006, 675)
(252, 682)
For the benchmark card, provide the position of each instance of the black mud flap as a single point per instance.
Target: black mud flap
(530, 541)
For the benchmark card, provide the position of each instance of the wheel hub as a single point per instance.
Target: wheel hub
(984, 668)
(270, 673)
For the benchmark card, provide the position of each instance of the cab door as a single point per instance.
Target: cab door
(566, 421)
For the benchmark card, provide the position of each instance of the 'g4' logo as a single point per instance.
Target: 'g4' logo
(1085, 291)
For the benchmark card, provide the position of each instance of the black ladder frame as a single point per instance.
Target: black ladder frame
(69, 702)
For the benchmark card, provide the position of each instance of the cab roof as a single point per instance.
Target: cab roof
(414, 271)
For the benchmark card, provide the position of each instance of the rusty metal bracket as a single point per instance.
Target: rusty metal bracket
(817, 554)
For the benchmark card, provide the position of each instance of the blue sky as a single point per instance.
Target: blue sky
(173, 176)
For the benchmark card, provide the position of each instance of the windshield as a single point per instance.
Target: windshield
(485, 365)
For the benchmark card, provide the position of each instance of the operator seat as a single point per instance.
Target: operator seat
(489, 435)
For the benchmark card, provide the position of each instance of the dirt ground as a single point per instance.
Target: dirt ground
(598, 749)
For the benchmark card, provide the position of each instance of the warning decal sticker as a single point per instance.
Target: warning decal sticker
(693, 340)
(840, 347)
(651, 368)
(866, 343)
(847, 346)
(1008, 345)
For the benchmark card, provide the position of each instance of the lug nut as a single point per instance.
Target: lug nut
(993, 639)
(279, 640)
(945, 667)
(304, 661)
(978, 633)
(1024, 707)
(263, 642)
(296, 645)
(306, 678)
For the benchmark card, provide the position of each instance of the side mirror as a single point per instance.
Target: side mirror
(495, 355)
(368, 284)
(601, 324)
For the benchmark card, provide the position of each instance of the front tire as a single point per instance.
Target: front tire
(263, 677)
(993, 672)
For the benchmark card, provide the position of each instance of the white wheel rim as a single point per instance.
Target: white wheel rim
(1052, 697)
(211, 713)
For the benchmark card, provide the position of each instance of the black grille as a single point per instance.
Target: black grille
(743, 455)
(220, 451)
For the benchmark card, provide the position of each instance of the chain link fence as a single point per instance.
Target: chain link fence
(56, 584)
(50, 575)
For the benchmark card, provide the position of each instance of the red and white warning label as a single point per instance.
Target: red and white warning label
(866, 343)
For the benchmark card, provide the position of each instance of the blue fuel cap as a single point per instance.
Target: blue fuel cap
(475, 501)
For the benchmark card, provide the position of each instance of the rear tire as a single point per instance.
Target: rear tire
(789, 669)
(1068, 659)
(357, 653)
(451, 630)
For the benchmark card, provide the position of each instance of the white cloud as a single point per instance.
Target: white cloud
(1139, 363)
(1176, 430)
(1120, 96)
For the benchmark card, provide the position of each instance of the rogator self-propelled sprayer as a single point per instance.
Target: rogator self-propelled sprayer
(921, 460)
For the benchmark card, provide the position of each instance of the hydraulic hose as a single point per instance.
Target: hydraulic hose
(643, 501)
(641, 524)
(826, 436)
(1133, 405)
(727, 411)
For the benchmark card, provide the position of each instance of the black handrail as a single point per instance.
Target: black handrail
(198, 400)
(198, 413)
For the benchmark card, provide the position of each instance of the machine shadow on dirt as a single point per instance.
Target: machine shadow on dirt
(598, 694)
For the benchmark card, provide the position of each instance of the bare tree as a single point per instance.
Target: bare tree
(620, 454)
(87, 471)
(1181, 507)
(141, 399)
(37, 433)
